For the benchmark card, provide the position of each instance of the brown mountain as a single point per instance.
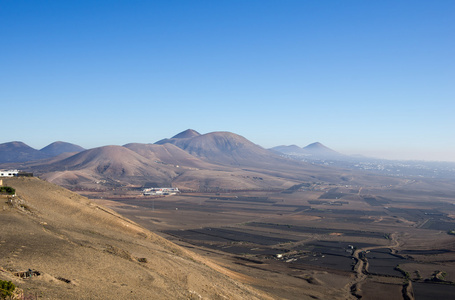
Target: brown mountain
(113, 160)
(76, 249)
(189, 160)
(149, 164)
(224, 148)
(116, 163)
(230, 149)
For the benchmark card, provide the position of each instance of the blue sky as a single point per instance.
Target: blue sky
(362, 77)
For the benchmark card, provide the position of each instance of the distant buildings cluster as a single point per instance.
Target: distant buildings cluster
(160, 191)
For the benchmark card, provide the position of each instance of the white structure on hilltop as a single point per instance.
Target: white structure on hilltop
(160, 191)
(8, 173)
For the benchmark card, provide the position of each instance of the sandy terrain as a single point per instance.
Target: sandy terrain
(82, 250)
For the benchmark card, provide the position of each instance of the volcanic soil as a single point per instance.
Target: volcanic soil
(76, 249)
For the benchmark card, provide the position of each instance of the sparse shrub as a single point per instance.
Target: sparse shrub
(417, 274)
(7, 189)
(6, 289)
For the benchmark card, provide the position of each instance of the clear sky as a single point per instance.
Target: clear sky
(362, 77)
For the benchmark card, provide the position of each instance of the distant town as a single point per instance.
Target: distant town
(160, 191)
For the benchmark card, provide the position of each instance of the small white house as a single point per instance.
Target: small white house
(8, 173)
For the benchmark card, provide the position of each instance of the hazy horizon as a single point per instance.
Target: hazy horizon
(369, 78)
(376, 154)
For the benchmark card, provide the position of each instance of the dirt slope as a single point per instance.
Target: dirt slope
(168, 154)
(85, 251)
(115, 163)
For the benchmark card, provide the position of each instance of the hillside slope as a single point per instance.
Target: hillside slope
(113, 163)
(167, 154)
(84, 251)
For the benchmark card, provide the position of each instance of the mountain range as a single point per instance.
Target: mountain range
(188, 160)
(224, 148)
(314, 150)
(19, 152)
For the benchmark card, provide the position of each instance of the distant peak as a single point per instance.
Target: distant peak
(286, 148)
(15, 144)
(189, 133)
(316, 145)
(319, 148)
(59, 147)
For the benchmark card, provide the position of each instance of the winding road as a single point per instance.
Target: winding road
(361, 268)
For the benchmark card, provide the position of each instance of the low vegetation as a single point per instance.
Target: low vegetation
(405, 273)
(8, 190)
(6, 289)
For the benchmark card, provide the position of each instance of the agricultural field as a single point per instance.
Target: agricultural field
(391, 241)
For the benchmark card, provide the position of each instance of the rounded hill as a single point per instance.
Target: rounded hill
(224, 148)
(108, 163)
(59, 147)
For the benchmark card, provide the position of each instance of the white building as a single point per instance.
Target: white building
(8, 173)
(160, 191)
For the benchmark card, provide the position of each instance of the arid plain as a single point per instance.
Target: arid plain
(248, 223)
(317, 240)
